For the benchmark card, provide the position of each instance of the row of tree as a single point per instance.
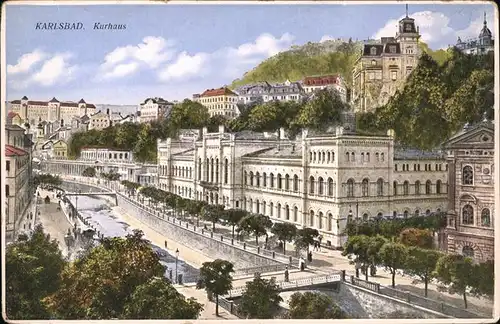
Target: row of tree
(318, 112)
(121, 278)
(46, 179)
(412, 254)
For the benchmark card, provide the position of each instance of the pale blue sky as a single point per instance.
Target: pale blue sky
(189, 48)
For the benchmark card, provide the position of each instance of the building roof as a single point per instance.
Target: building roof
(470, 128)
(46, 103)
(218, 92)
(54, 100)
(81, 101)
(321, 80)
(283, 151)
(379, 48)
(416, 154)
(24, 98)
(14, 151)
(249, 135)
(157, 100)
(12, 114)
(13, 127)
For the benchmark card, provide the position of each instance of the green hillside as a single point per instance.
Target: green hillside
(330, 57)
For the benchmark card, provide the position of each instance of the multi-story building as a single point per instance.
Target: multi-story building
(314, 83)
(100, 120)
(471, 198)
(154, 109)
(106, 155)
(383, 66)
(265, 91)
(483, 44)
(319, 180)
(32, 111)
(18, 182)
(220, 101)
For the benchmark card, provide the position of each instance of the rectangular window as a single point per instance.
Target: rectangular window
(8, 166)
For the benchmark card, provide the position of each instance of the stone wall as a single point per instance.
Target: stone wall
(210, 247)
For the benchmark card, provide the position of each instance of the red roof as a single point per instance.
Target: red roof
(320, 80)
(12, 114)
(14, 151)
(217, 92)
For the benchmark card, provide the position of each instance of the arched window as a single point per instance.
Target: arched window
(207, 167)
(271, 208)
(353, 157)
(257, 206)
(257, 179)
(287, 182)
(278, 180)
(428, 187)
(226, 171)
(330, 222)
(427, 212)
(217, 170)
(350, 188)
(287, 212)
(395, 188)
(330, 187)
(199, 169)
(295, 214)
(328, 157)
(417, 187)
(417, 212)
(271, 180)
(295, 183)
(250, 206)
(251, 178)
(468, 251)
(438, 187)
(379, 215)
(364, 188)
(380, 187)
(394, 214)
(320, 220)
(323, 157)
(211, 170)
(467, 175)
(467, 215)
(405, 214)
(406, 188)
(278, 211)
(311, 184)
(264, 208)
(245, 176)
(485, 218)
(264, 179)
(365, 216)
(311, 218)
(347, 157)
(382, 157)
(321, 186)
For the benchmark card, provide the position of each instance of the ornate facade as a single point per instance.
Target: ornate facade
(154, 108)
(471, 198)
(483, 44)
(265, 91)
(383, 66)
(220, 101)
(318, 180)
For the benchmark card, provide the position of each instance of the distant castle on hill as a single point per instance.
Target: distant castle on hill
(483, 44)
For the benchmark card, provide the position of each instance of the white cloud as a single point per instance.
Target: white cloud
(152, 52)
(56, 69)
(26, 62)
(229, 62)
(185, 67)
(475, 27)
(435, 28)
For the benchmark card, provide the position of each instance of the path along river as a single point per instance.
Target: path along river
(105, 218)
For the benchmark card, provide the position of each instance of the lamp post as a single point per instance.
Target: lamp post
(176, 261)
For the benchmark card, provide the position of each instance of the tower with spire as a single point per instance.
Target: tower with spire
(483, 44)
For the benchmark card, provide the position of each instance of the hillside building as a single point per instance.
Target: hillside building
(483, 44)
(220, 101)
(384, 65)
(314, 83)
(155, 109)
(31, 111)
(265, 92)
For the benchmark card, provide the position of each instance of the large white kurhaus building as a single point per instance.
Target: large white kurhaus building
(318, 181)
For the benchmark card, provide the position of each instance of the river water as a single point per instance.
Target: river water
(104, 217)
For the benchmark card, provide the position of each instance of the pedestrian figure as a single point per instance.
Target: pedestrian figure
(310, 256)
(165, 244)
(302, 264)
(286, 274)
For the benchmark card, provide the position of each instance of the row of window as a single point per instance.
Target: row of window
(416, 167)
(417, 187)
(103, 155)
(468, 216)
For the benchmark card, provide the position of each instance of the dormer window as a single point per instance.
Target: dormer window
(392, 49)
(373, 51)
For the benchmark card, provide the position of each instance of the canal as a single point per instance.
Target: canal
(102, 214)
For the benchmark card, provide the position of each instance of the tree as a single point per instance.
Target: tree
(322, 111)
(457, 273)
(305, 237)
(285, 232)
(89, 172)
(216, 278)
(233, 217)
(212, 213)
(374, 244)
(32, 269)
(314, 305)
(158, 299)
(356, 249)
(421, 263)
(261, 299)
(257, 224)
(484, 278)
(99, 285)
(393, 257)
(422, 238)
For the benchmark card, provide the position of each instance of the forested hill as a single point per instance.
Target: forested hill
(329, 57)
